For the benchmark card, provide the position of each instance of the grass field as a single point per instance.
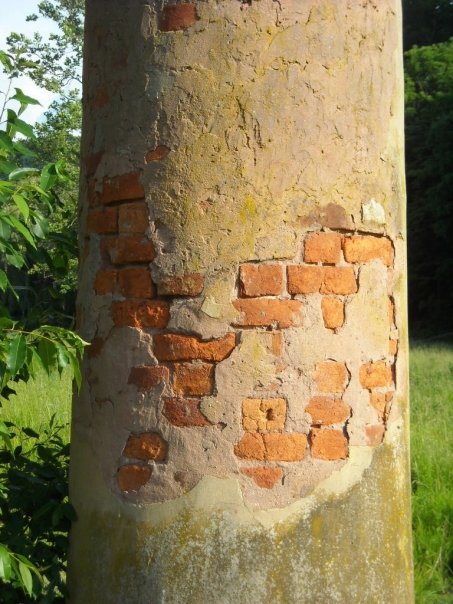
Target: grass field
(432, 457)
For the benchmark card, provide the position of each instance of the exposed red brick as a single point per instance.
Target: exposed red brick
(338, 280)
(251, 446)
(190, 284)
(328, 444)
(260, 280)
(105, 282)
(375, 434)
(132, 476)
(265, 478)
(379, 402)
(92, 162)
(304, 279)
(95, 347)
(135, 283)
(322, 247)
(157, 154)
(193, 379)
(332, 312)
(375, 375)
(331, 376)
(102, 221)
(133, 218)
(177, 17)
(129, 249)
(391, 311)
(268, 312)
(92, 194)
(125, 187)
(148, 377)
(284, 447)
(364, 248)
(263, 414)
(174, 347)
(393, 347)
(152, 314)
(101, 98)
(146, 446)
(277, 343)
(184, 412)
(325, 410)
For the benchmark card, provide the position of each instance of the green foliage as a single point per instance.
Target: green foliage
(55, 62)
(429, 168)
(432, 472)
(34, 513)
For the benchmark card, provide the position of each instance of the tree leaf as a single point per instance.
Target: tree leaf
(47, 353)
(22, 229)
(23, 149)
(6, 141)
(19, 173)
(15, 356)
(22, 205)
(5, 563)
(22, 127)
(26, 578)
(4, 282)
(23, 98)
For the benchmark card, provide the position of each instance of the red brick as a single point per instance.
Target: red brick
(193, 379)
(135, 283)
(338, 280)
(102, 221)
(251, 446)
(260, 280)
(375, 434)
(325, 410)
(157, 154)
(101, 98)
(375, 375)
(152, 314)
(263, 414)
(133, 476)
(129, 249)
(92, 162)
(304, 279)
(364, 248)
(174, 347)
(277, 343)
(184, 413)
(133, 218)
(332, 312)
(378, 400)
(328, 444)
(105, 282)
(146, 446)
(393, 347)
(268, 312)
(284, 447)
(322, 247)
(148, 377)
(331, 376)
(124, 187)
(265, 478)
(92, 194)
(190, 284)
(177, 17)
(95, 347)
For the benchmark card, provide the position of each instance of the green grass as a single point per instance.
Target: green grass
(38, 400)
(432, 457)
(432, 472)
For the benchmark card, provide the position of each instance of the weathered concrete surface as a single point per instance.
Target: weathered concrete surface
(241, 434)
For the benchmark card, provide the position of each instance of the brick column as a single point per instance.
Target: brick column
(241, 433)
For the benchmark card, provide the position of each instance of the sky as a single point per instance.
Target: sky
(14, 20)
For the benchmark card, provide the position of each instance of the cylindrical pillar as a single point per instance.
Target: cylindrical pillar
(241, 432)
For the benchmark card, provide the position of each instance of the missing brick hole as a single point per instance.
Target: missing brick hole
(270, 415)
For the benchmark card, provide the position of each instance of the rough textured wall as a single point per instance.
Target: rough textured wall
(242, 284)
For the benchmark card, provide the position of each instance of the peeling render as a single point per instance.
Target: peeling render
(242, 284)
